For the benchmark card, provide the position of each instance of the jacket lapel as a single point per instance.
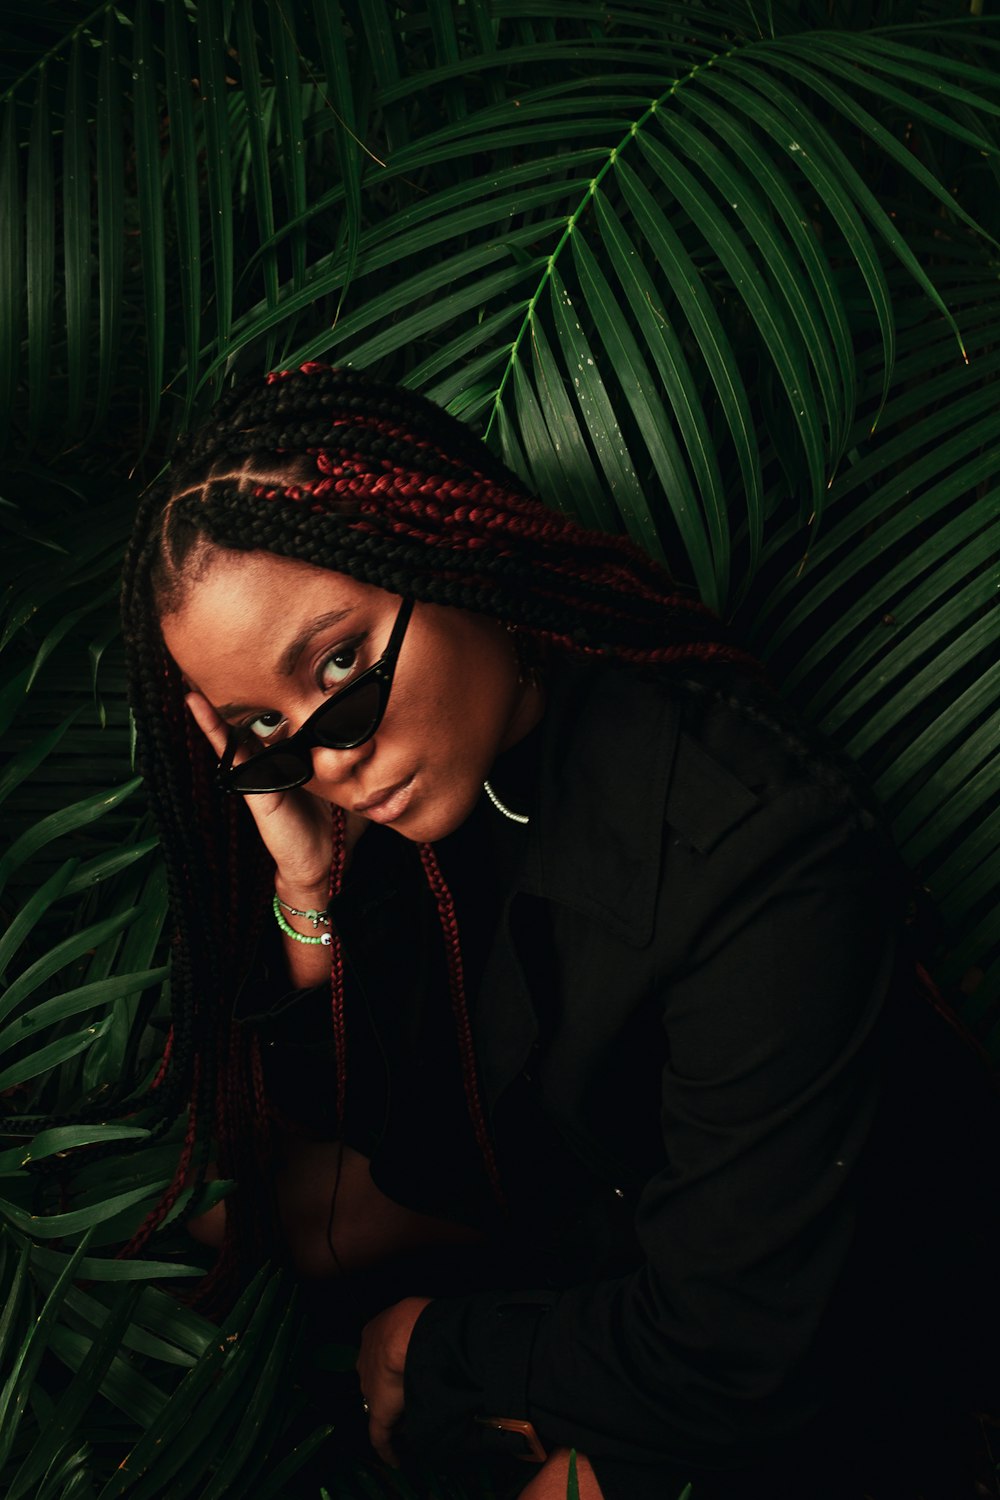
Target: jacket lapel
(608, 747)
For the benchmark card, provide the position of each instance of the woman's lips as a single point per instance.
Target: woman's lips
(387, 806)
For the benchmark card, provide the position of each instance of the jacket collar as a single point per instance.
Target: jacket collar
(609, 741)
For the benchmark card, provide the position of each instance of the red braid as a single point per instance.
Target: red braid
(337, 865)
(456, 986)
(161, 1071)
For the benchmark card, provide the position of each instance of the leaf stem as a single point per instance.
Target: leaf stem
(574, 218)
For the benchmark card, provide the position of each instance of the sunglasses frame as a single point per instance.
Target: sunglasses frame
(309, 734)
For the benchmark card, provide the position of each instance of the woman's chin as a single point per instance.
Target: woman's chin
(427, 822)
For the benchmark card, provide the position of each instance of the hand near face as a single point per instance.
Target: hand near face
(296, 826)
(381, 1363)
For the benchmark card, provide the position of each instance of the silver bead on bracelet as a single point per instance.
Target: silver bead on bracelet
(317, 918)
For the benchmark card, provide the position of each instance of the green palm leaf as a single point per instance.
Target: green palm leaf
(14, 1394)
(184, 176)
(698, 273)
(110, 212)
(149, 194)
(68, 1415)
(77, 237)
(40, 224)
(258, 122)
(11, 264)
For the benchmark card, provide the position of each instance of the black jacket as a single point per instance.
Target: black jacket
(701, 940)
(724, 922)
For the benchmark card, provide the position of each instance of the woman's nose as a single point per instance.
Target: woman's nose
(334, 766)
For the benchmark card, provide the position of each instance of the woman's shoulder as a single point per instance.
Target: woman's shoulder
(747, 730)
(693, 790)
(726, 743)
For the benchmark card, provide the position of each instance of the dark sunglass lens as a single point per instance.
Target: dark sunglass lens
(269, 773)
(350, 718)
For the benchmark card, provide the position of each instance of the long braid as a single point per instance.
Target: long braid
(456, 986)
(216, 876)
(338, 864)
(161, 1071)
(332, 468)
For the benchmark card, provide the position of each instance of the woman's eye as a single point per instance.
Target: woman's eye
(338, 666)
(334, 670)
(266, 726)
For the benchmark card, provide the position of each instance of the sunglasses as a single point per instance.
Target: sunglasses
(347, 719)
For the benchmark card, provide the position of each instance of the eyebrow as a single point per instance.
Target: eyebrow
(289, 658)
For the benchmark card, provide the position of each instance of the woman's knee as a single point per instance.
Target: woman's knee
(335, 1219)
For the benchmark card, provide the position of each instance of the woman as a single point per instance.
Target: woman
(513, 923)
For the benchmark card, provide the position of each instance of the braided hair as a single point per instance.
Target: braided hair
(333, 468)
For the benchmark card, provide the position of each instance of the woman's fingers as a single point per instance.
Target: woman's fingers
(217, 732)
(295, 826)
(381, 1362)
(208, 721)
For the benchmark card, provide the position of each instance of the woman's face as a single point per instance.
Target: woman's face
(267, 639)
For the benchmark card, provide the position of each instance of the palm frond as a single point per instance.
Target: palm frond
(722, 277)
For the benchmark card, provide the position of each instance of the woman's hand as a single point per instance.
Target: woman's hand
(297, 830)
(296, 826)
(381, 1363)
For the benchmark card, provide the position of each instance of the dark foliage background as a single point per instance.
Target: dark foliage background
(721, 275)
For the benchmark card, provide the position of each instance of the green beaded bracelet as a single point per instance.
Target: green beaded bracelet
(317, 918)
(289, 930)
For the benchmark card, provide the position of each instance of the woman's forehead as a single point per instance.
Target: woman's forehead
(252, 579)
(250, 612)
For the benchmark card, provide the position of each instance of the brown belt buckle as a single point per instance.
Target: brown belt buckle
(536, 1454)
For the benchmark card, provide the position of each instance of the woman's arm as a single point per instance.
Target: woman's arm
(297, 831)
